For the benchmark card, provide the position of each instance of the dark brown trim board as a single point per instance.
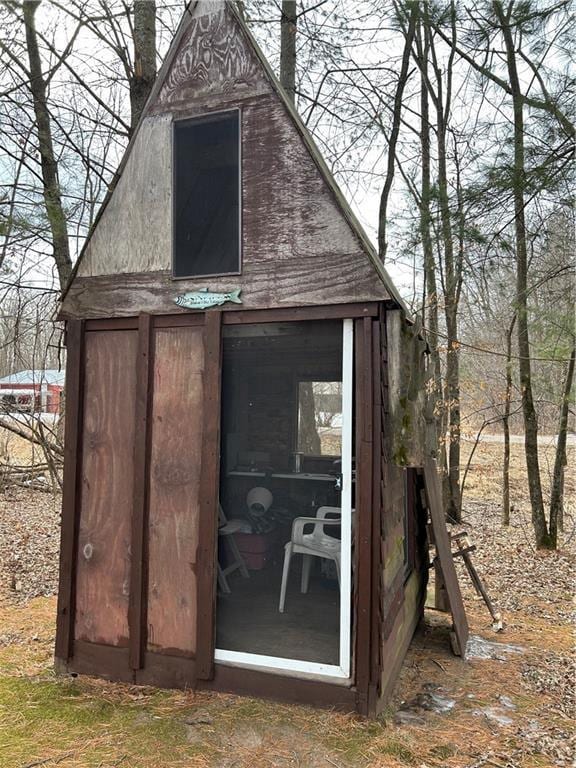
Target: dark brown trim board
(376, 533)
(96, 660)
(138, 566)
(287, 314)
(240, 316)
(112, 324)
(167, 671)
(209, 494)
(71, 489)
(312, 693)
(163, 670)
(363, 370)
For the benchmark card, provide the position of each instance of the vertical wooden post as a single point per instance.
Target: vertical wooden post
(71, 489)
(137, 605)
(209, 498)
(376, 617)
(364, 458)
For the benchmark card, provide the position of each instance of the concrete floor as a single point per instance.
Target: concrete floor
(248, 619)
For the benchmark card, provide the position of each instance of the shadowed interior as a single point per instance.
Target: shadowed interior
(249, 621)
(264, 370)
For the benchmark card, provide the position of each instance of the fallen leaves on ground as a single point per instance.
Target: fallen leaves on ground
(509, 710)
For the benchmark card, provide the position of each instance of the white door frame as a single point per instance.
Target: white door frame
(342, 670)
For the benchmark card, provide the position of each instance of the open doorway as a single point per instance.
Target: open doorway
(285, 527)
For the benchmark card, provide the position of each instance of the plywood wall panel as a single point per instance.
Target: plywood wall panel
(318, 281)
(103, 568)
(298, 245)
(176, 440)
(201, 72)
(135, 229)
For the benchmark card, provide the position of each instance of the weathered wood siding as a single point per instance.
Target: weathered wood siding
(103, 558)
(134, 228)
(298, 247)
(403, 578)
(152, 514)
(413, 436)
(176, 449)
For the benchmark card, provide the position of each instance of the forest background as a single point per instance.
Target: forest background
(450, 128)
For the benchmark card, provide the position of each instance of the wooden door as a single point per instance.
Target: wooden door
(140, 512)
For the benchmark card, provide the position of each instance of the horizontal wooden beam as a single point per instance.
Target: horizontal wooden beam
(241, 316)
(248, 682)
(323, 280)
(112, 324)
(286, 314)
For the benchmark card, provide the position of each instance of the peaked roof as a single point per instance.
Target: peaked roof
(305, 135)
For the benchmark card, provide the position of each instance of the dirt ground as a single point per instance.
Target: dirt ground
(511, 705)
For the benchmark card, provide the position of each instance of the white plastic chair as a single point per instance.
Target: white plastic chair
(227, 529)
(314, 544)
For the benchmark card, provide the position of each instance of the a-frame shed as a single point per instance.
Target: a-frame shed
(244, 394)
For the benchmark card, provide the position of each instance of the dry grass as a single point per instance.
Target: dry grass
(15, 450)
(85, 723)
(484, 479)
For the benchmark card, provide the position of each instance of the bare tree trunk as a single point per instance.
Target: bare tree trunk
(144, 75)
(393, 140)
(288, 29)
(308, 437)
(48, 162)
(506, 428)
(560, 460)
(430, 310)
(542, 535)
(451, 293)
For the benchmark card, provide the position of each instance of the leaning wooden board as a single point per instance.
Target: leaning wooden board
(444, 552)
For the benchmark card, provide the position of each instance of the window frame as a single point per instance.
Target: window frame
(296, 381)
(410, 507)
(207, 117)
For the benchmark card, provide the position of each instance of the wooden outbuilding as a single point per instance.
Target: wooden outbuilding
(37, 391)
(245, 410)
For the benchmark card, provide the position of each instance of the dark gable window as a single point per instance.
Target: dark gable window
(207, 196)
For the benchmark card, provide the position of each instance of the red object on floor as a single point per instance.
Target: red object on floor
(256, 548)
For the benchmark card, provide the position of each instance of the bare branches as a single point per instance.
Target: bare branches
(546, 103)
(51, 186)
(393, 139)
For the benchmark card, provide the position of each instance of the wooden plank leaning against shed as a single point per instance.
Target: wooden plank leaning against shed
(138, 582)
(209, 497)
(444, 553)
(70, 491)
(364, 436)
